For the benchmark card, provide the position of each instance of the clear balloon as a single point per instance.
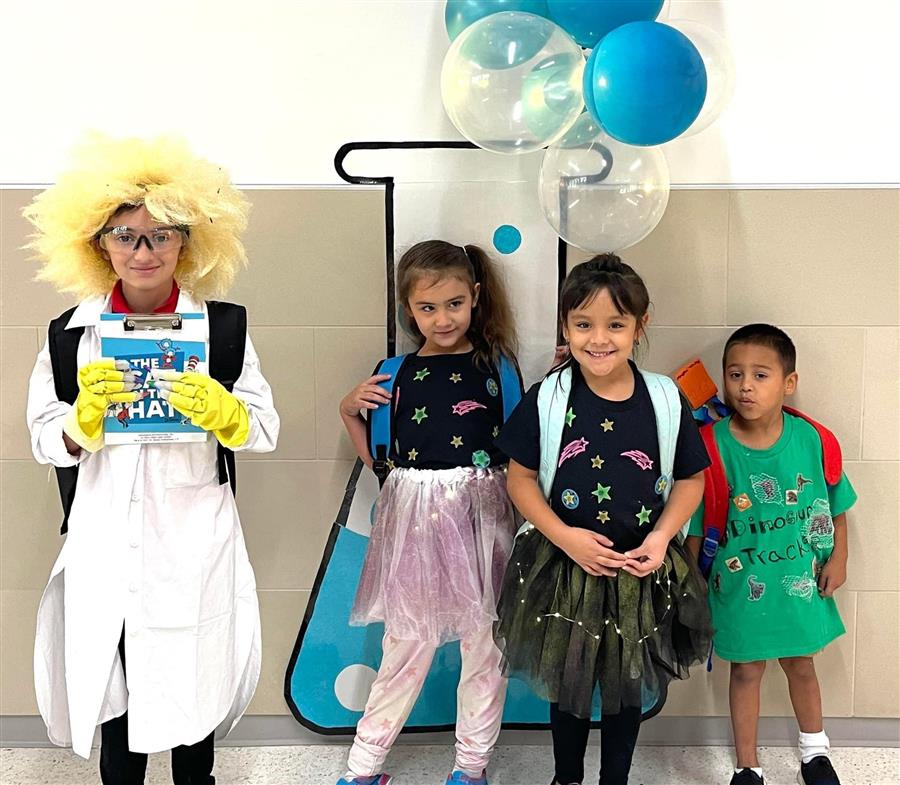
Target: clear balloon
(720, 71)
(511, 82)
(587, 21)
(600, 194)
(459, 14)
(646, 82)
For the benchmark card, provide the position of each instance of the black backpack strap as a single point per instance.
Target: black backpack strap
(63, 347)
(227, 341)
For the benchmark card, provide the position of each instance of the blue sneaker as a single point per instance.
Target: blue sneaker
(375, 779)
(458, 777)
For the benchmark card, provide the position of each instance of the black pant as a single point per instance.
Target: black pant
(191, 765)
(618, 735)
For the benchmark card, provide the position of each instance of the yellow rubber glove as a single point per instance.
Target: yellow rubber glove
(207, 403)
(100, 385)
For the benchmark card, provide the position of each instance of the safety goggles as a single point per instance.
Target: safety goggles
(124, 239)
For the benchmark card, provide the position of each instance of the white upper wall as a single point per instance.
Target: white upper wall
(273, 87)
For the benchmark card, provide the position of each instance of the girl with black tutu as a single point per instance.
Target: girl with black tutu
(601, 601)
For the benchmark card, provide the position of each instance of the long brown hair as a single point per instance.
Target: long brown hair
(491, 331)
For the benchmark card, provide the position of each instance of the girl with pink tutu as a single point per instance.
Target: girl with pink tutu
(444, 524)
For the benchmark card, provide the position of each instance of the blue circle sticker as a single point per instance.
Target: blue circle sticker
(569, 499)
(661, 484)
(492, 388)
(507, 239)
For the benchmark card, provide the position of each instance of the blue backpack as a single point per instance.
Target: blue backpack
(380, 424)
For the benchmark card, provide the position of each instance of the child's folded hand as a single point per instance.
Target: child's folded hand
(832, 576)
(592, 552)
(648, 556)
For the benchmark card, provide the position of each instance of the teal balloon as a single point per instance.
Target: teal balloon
(549, 96)
(459, 14)
(645, 83)
(587, 21)
(506, 40)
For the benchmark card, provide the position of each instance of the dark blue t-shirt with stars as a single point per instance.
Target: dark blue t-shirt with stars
(608, 475)
(447, 412)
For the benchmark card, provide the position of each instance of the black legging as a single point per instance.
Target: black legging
(618, 736)
(191, 764)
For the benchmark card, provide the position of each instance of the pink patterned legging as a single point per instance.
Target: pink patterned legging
(404, 666)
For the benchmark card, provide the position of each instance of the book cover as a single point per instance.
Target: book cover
(151, 419)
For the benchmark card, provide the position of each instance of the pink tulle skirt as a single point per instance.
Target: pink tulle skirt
(437, 554)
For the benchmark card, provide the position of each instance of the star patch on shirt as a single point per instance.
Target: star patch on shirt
(419, 415)
(569, 499)
(643, 460)
(464, 407)
(412, 454)
(572, 449)
(570, 417)
(602, 492)
(456, 441)
(603, 516)
(607, 425)
(597, 462)
(420, 375)
(481, 459)
(455, 377)
(643, 516)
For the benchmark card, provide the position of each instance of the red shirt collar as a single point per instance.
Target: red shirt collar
(118, 303)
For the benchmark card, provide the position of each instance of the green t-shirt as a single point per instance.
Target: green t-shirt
(763, 592)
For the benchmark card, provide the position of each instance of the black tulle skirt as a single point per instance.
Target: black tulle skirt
(569, 634)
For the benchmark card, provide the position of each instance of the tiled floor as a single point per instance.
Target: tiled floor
(428, 765)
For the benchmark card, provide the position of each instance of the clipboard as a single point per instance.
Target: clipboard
(171, 341)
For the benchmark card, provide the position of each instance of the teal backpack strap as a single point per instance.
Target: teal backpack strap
(510, 385)
(666, 402)
(553, 399)
(379, 421)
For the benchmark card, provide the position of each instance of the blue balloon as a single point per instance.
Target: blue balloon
(587, 21)
(645, 83)
(459, 14)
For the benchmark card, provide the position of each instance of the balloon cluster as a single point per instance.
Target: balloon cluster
(515, 81)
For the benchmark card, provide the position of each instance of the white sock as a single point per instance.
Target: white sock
(757, 770)
(813, 744)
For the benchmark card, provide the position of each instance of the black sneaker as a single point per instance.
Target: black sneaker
(746, 777)
(818, 771)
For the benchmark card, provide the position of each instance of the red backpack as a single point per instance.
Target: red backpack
(715, 492)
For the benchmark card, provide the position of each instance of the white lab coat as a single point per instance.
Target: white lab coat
(154, 545)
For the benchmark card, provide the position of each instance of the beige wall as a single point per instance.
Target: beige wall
(822, 264)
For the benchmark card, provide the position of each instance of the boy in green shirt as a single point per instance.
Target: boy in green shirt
(783, 553)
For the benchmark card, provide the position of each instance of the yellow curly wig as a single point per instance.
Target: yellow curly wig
(173, 184)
